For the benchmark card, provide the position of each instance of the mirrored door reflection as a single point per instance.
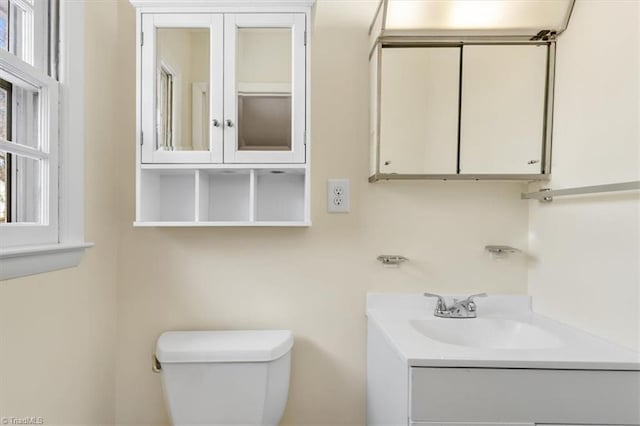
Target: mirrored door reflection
(263, 76)
(182, 79)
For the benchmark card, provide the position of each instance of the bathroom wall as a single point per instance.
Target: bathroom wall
(57, 330)
(313, 280)
(585, 267)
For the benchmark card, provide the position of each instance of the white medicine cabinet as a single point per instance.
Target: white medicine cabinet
(223, 113)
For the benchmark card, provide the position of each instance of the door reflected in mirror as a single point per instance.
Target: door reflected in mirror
(182, 101)
(264, 80)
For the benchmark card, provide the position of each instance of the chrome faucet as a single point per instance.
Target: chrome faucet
(460, 309)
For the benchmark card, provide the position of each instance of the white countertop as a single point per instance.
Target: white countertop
(394, 313)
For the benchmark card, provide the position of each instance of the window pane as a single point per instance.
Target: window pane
(17, 30)
(19, 105)
(4, 189)
(20, 41)
(264, 89)
(20, 189)
(5, 110)
(4, 24)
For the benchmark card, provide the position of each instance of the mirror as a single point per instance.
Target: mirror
(182, 101)
(263, 75)
(419, 110)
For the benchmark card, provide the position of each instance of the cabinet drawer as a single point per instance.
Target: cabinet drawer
(521, 395)
(470, 424)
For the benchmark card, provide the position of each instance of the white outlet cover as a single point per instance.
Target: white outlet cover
(338, 196)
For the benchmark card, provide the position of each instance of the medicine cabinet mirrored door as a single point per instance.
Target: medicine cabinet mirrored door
(264, 88)
(419, 110)
(502, 128)
(182, 93)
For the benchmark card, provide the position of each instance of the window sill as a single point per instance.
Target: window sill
(22, 261)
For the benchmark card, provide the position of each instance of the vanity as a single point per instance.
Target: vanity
(507, 366)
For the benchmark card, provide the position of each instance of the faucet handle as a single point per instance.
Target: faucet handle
(473, 296)
(441, 305)
(470, 304)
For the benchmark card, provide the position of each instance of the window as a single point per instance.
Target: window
(40, 148)
(29, 136)
(5, 158)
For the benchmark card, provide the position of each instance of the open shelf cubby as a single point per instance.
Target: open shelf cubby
(223, 197)
(280, 195)
(168, 196)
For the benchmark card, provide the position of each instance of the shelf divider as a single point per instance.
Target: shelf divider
(252, 196)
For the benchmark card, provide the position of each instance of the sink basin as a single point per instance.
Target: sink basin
(488, 333)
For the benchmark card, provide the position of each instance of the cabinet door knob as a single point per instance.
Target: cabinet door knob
(229, 123)
(216, 123)
(533, 161)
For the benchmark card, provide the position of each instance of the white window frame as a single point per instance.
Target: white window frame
(33, 51)
(24, 233)
(22, 251)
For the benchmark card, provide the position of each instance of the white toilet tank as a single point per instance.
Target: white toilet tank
(225, 377)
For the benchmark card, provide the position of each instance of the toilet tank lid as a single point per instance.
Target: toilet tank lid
(223, 346)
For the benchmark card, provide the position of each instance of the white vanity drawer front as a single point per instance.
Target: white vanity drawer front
(470, 424)
(524, 396)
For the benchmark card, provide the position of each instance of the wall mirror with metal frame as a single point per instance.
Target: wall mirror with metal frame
(455, 98)
(461, 111)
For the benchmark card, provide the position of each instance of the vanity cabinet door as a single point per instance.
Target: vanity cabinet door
(419, 110)
(265, 85)
(502, 125)
(181, 90)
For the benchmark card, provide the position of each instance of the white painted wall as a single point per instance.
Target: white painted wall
(58, 330)
(585, 266)
(312, 281)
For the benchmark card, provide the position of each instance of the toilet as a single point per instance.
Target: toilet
(225, 377)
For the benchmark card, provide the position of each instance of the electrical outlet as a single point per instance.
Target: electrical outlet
(338, 196)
